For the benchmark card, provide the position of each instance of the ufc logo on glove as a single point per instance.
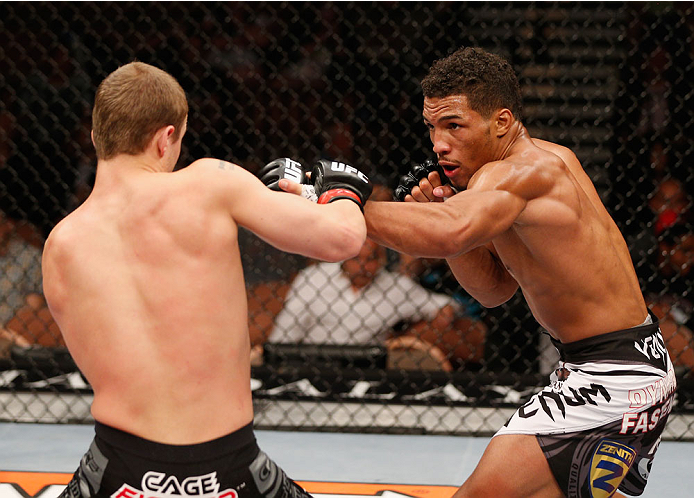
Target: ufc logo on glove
(293, 171)
(336, 166)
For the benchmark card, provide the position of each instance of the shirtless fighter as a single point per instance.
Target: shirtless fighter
(528, 216)
(146, 284)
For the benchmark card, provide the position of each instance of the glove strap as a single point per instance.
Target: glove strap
(340, 193)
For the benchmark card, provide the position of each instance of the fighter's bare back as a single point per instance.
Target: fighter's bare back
(162, 335)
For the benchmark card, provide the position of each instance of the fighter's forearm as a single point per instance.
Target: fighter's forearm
(431, 230)
(483, 276)
(410, 228)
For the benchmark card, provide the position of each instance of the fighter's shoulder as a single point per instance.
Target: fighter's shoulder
(217, 173)
(211, 165)
(559, 164)
(61, 236)
(530, 175)
(562, 152)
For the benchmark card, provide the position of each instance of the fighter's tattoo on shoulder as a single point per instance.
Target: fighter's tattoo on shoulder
(225, 165)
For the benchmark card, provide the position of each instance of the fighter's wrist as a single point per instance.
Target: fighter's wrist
(309, 192)
(340, 193)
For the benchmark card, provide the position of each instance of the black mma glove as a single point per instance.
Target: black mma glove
(334, 180)
(329, 180)
(410, 180)
(279, 169)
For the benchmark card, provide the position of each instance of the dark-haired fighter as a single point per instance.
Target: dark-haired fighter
(145, 282)
(529, 217)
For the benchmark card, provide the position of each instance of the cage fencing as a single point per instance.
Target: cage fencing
(412, 352)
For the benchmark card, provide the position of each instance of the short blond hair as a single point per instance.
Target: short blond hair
(131, 104)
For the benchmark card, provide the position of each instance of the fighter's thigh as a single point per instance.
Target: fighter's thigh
(512, 466)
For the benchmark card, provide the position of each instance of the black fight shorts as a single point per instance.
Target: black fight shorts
(600, 419)
(121, 465)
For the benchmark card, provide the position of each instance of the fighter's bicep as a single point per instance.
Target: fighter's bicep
(273, 216)
(250, 204)
(489, 213)
(287, 221)
(501, 211)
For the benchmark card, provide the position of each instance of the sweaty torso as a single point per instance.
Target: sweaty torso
(568, 256)
(148, 291)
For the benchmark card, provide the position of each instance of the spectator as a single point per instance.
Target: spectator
(513, 341)
(24, 317)
(663, 256)
(670, 204)
(361, 302)
(20, 265)
(33, 324)
(25, 320)
(670, 296)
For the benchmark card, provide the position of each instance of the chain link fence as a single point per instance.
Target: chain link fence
(411, 352)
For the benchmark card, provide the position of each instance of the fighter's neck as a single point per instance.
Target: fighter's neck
(121, 173)
(516, 137)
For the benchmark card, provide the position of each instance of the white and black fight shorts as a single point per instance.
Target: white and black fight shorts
(600, 419)
(121, 465)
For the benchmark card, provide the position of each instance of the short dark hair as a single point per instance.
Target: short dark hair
(487, 80)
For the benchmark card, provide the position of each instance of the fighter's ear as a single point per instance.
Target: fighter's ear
(503, 119)
(161, 137)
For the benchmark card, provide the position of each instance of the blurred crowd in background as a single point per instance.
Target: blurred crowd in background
(341, 80)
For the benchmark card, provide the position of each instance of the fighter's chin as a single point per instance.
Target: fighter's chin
(456, 177)
(459, 184)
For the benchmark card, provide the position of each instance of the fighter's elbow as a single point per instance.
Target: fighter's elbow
(498, 295)
(339, 252)
(493, 301)
(458, 239)
(346, 242)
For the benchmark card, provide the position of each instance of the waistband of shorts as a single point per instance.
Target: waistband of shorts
(235, 442)
(620, 345)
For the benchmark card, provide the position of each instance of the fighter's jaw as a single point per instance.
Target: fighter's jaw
(455, 174)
